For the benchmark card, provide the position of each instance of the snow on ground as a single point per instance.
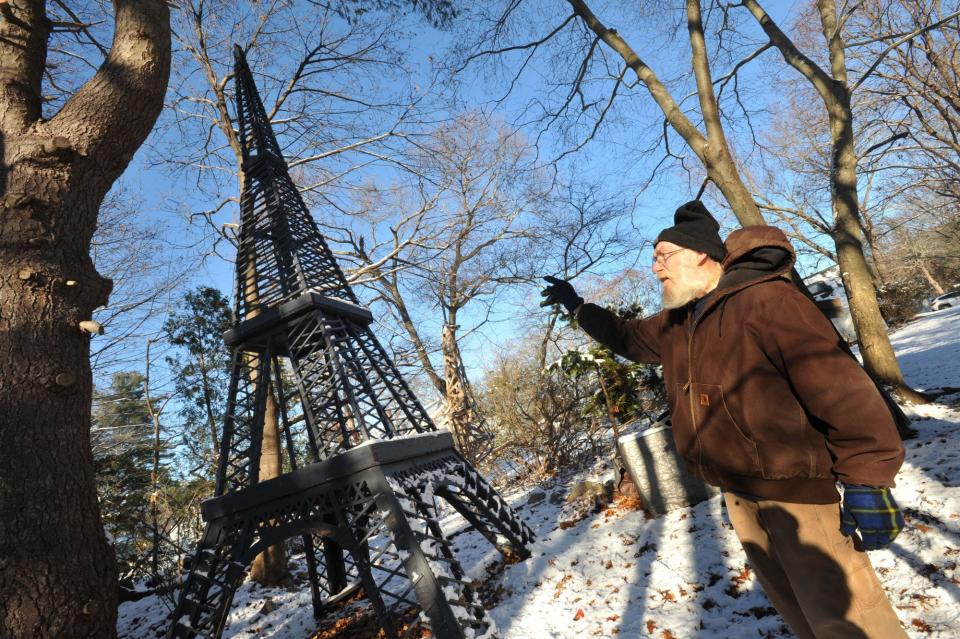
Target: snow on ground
(619, 574)
(929, 349)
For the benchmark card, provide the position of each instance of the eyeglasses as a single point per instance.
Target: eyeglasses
(663, 257)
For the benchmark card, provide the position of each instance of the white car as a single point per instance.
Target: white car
(945, 301)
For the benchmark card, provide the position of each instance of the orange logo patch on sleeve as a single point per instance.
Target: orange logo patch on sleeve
(704, 399)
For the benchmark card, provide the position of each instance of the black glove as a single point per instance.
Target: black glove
(560, 292)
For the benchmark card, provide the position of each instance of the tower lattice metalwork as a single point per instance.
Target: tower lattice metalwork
(365, 464)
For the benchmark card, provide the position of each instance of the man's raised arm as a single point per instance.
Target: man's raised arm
(637, 340)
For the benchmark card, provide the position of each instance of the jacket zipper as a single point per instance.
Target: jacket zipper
(687, 388)
(692, 323)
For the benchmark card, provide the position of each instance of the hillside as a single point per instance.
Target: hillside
(618, 574)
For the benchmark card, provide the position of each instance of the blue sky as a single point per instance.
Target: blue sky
(607, 160)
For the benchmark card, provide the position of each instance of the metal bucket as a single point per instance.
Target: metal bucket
(651, 458)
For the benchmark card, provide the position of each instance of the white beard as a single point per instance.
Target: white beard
(681, 294)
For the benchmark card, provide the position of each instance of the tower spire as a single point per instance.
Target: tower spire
(281, 253)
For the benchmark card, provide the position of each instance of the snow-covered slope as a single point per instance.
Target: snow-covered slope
(618, 574)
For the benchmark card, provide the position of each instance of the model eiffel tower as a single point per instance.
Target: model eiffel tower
(365, 463)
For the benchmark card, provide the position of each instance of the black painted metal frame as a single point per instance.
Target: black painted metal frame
(366, 465)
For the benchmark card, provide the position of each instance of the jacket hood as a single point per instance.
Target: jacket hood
(755, 254)
(744, 241)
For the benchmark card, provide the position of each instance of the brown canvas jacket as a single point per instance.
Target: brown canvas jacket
(763, 399)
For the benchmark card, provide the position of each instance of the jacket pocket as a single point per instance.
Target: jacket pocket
(793, 449)
(724, 444)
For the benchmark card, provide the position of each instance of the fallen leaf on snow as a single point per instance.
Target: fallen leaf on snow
(921, 625)
(926, 601)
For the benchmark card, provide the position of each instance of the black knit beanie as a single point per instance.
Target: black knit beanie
(694, 228)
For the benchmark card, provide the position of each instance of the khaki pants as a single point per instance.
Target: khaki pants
(822, 586)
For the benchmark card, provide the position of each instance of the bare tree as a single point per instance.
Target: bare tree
(58, 577)
(898, 182)
(592, 60)
(535, 409)
(147, 267)
(919, 84)
(921, 255)
(579, 233)
(459, 239)
(335, 85)
(576, 230)
(486, 204)
(392, 236)
(581, 36)
(539, 426)
(836, 88)
(788, 175)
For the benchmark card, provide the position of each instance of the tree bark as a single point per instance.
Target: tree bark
(712, 149)
(466, 422)
(57, 570)
(716, 156)
(269, 568)
(922, 266)
(458, 408)
(879, 359)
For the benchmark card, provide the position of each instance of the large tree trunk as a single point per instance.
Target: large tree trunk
(715, 153)
(466, 423)
(922, 267)
(458, 408)
(269, 568)
(57, 571)
(879, 359)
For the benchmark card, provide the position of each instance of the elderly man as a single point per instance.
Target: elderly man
(767, 405)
